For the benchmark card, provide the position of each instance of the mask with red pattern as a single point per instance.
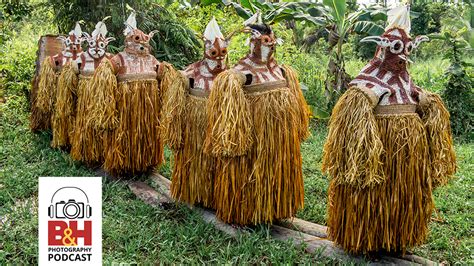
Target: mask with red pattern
(136, 41)
(395, 46)
(262, 40)
(215, 46)
(97, 41)
(72, 42)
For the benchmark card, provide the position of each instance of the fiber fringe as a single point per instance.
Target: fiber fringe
(230, 127)
(103, 113)
(266, 184)
(174, 86)
(393, 215)
(193, 170)
(64, 107)
(46, 86)
(87, 141)
(135, 146)
(435, 117)
(303, 110)
(353, 149)
(39, 120)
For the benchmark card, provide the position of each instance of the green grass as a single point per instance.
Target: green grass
(135, 232)
(450, 240)
(132, 231)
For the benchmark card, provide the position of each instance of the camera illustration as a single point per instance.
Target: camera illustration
(71, 209)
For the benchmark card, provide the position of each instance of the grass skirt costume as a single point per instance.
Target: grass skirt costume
(193, 170)
(185, 120)
(65, 106)
(43, 100)
(87, 140)
(128, 107)
(40, 120)
(255, 132)
(389, 146)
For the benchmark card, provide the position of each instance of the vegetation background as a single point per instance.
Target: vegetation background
(135, 232)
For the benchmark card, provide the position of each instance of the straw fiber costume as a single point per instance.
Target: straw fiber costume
(49, 83)
(193, 171)
(87, 141)
(389, 146)
(257, 120)
(128, 104)
(48, 45)
(65, 102)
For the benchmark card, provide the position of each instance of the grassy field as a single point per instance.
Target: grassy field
(136, 232)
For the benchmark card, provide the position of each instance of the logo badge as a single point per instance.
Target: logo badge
(70, 220)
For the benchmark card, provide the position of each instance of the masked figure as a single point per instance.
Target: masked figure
(128, 104)
(193, 170)
(87, 142)
(389, 146)
(48, 84)
(48, 45)
(65, 102)
(257, 120)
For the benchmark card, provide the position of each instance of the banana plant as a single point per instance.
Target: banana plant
(341, 23)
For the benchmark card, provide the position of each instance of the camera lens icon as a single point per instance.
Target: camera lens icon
(70, 209)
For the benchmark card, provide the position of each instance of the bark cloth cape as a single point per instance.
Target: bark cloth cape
(185, 122)
(87, 141)
(389, 146)
(255, 131)
(128, 104)
(54, 101)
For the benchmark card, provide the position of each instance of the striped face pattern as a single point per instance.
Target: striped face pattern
(260, 62)
(205, 71)
(386, 74)
(72, 46)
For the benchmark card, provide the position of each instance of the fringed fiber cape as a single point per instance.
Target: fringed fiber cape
(128, 107)
(384, 162)
(43, 97)
(87, 141)
(185, 123)
(65, 106)
(255, 132)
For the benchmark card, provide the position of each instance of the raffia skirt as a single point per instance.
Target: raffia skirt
(135, 146)
(193, 170)
(266, 184)
(87, 141)
(393, 215)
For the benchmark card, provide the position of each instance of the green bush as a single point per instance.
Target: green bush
(459, 99)
(174, 42)
(18, 52)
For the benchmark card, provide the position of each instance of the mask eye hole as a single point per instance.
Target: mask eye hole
(266, 39)
(91, 43)
(409, 48)
(68, 42)
(101, 45)
(213, 52)
(396, 47)
(137, 38)
(224, 51)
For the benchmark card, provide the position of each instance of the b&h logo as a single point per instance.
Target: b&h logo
(70, 220)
